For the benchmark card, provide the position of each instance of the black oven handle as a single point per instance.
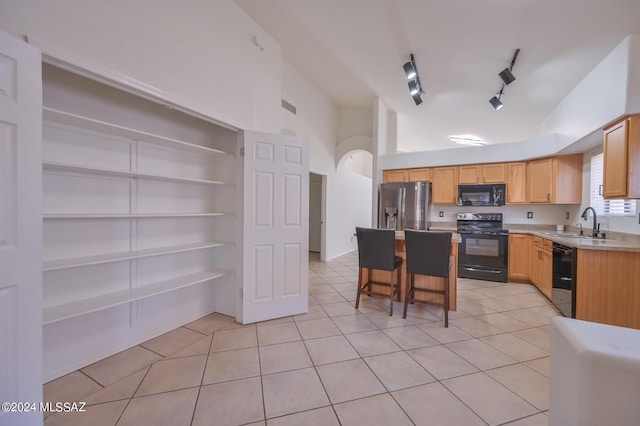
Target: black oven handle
(491, 271)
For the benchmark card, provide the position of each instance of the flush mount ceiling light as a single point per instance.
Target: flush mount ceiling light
(415, 87)
(467, 140)
(507, 78)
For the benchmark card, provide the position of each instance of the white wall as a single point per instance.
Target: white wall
(598, 99)
(348, 194)
(360, 162)
(354, 122)
(199, 51)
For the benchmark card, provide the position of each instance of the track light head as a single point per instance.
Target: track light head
(507, 76)
(409, 70)
(416, 98)
(496, 103)
(414, 88)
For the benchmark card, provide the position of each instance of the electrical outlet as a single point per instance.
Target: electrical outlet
(529, 215)
(440, 214)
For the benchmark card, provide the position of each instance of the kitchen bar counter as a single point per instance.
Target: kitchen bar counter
(423, 281)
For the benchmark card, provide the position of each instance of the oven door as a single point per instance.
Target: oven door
(484, 257)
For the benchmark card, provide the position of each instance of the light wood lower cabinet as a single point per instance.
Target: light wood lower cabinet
(424, 281)
(541, 264)
(608, 287)
(519, 256)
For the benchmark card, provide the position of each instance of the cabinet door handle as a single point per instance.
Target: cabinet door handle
(548, 197)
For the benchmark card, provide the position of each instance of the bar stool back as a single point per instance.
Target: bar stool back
(377, 250)
(427, 254)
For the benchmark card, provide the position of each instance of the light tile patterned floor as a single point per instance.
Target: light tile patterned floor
(333, 365)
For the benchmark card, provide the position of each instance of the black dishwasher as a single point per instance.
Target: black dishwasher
(564, 279)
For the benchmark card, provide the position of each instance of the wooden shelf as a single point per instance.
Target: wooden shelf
(52, 166)
(72, 216)
(80, 307)
(75, 262)
(135, 135)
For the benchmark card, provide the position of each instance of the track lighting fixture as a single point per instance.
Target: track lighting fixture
(507, 78)
(496, 102)
(409, 69)
(415, 87)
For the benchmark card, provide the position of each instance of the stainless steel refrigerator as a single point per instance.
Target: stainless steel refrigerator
(404, 205)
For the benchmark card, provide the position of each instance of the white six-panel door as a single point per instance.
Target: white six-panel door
(20, 228)
(276, 227)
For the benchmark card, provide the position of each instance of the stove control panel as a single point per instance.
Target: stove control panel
(480, 217)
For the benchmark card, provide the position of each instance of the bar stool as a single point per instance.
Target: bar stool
(377, 250)
(427, 254)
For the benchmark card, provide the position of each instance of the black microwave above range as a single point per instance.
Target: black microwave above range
(482, 195)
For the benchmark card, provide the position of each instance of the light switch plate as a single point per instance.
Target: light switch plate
(440, 214)
(529, 215)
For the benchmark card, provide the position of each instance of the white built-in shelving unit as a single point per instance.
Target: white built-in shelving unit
(138, 202)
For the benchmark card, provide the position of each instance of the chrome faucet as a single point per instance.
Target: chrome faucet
(596, 226)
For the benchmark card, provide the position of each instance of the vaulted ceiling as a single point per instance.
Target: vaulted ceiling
(353, 50)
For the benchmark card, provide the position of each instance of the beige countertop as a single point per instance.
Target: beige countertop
(584, 242)
(616, 241)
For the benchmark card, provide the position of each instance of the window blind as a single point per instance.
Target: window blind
(606, 207)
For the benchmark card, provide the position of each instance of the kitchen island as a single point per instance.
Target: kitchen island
(423, 281)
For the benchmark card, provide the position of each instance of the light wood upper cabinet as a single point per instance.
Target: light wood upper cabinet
(539, 180)
(622, 159)
(552, 180)
(419, 175)
(406, 175)
(391, 176)
(555, 180)
(516, 182)
(519, 256)
(493, 173)
(445, 185)
(481, 173)
(469, 174)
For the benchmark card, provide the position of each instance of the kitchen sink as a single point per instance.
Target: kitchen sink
(565, 235)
